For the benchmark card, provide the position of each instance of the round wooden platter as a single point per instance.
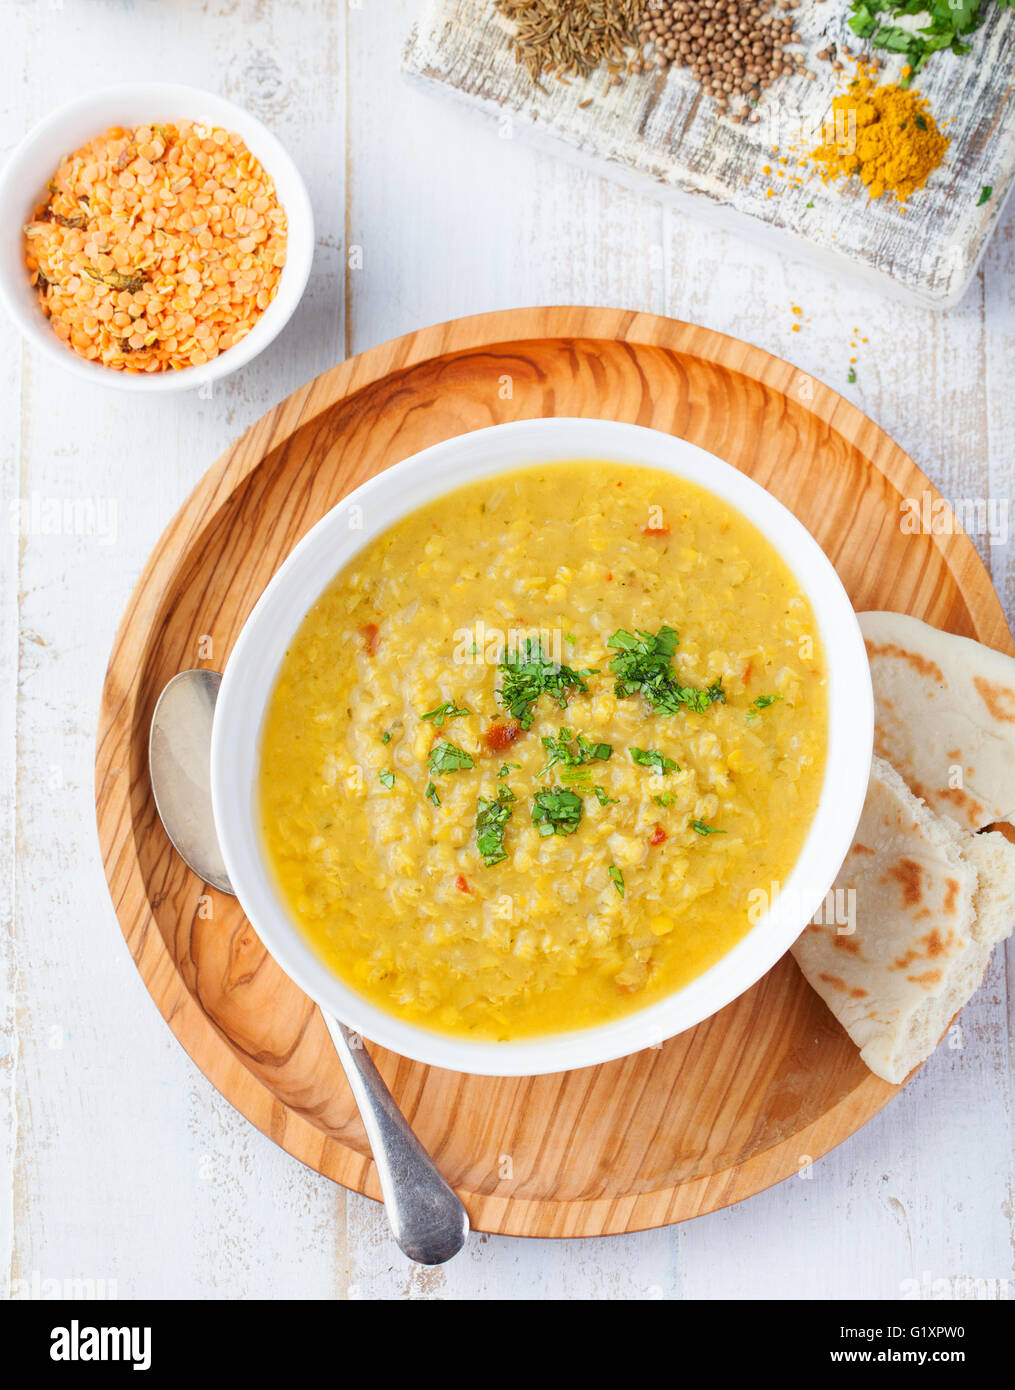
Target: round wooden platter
(714, 1115)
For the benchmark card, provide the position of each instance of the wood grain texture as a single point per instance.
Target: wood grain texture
(714, 1115)
(661, 136)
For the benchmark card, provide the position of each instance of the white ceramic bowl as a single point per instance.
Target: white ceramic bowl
(24, 180)
(253, 666)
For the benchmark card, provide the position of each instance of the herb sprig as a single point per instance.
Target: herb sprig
(556, 811)
(529, 673)
(448, 710)
(448, 757)
(762, 702)
(491, 821)
(653, 758)
(949, 22)
(573, 750)
(643, 665)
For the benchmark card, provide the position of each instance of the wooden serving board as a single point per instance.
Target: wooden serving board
(660, 135)
(739, 1102)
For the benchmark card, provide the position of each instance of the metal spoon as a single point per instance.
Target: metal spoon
(427, 1219)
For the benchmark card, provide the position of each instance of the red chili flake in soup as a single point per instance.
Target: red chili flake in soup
(370, 633)
(658, 836)
(501, 736)
(462, 884)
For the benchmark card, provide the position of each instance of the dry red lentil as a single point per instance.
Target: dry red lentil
(157, 248)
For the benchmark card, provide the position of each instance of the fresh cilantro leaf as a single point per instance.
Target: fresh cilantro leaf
(491, 820)
(703, 829)
(947, 23)
(602, 797)
(573, 751)
(763, 701)
(431, 794)
(448, 757)
(386, 778)
(985, 195)
(618, 879)
(448, 710)
(664, 799)
(556, 811)
(651, 757)
(507, 768)
(528, 674)
(642, 665)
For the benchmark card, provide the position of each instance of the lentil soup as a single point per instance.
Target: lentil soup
(534, 754)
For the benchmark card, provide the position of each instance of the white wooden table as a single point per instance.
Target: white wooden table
(125, 1167)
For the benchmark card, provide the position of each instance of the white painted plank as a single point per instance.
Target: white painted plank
(129, 1167)
(11, 122)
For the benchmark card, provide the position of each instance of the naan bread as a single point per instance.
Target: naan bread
(944, 717)
(930, 902)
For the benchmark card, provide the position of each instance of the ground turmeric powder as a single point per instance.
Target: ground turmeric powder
(885, 135)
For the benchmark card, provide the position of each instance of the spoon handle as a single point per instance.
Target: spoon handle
(427, 1219)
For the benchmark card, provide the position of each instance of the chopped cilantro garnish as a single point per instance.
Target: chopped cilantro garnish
(507, 768)
(618, 879)
(491, 820)
(851, 378)
(386, 738)
(703, 829)
(986, 193)
(556, 811)
(642, 664)
(664, 799)
(651, 757)
(431, 794)
(386, 778)
(448, 710)
(448, 757)
(603, 799)
(573, 751)
(762, 702)
(527, 675)
(945, 24)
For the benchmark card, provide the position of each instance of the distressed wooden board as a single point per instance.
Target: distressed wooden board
(659, 134)
(714, 1115)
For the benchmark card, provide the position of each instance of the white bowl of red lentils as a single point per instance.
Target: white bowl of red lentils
(153, 237)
